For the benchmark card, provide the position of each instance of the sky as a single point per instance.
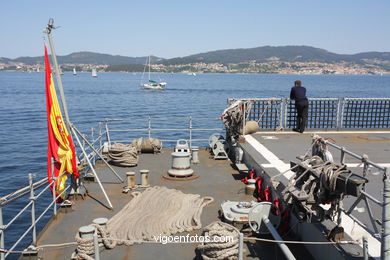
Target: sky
(177, 28)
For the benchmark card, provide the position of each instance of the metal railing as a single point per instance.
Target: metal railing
(31, 190)
(324, 113)
(377, 229)
(168, 130)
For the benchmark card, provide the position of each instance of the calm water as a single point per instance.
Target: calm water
(117, 95)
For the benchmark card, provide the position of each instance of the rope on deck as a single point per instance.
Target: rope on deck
(157, 211)
(219, 248)
(123, 155)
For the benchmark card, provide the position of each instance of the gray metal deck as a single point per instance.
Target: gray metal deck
(272, 152)
(216, 178)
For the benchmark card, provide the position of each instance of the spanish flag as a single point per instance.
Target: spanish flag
(60, 147)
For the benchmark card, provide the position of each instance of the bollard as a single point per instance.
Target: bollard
(130, 180)
(101, 222)
(195, 154)
(144, 178)
(250, 187)
(86, 232)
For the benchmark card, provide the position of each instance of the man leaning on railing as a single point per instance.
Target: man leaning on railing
(298, 94)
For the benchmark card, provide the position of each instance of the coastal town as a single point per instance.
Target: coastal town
(272, 66)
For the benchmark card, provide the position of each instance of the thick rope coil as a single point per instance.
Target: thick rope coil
(147, 145)
(219, 250)
(123, 155)
(157, 211)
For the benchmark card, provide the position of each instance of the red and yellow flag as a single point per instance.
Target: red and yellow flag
(60, 147)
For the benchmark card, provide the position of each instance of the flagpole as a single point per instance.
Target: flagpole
(48, 30)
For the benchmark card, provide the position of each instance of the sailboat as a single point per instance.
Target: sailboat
(74, 72)
(94, 73)
(151, 84)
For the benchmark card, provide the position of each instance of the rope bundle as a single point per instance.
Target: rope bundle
(219, 250)
(147, 145)
(123, 155)
(157, 211)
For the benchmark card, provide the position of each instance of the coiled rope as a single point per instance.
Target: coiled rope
(147, 145)
(157, 211)
(216, 248)
(124, 155)
(85, 247)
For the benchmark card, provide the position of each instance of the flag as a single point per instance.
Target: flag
(60, 147)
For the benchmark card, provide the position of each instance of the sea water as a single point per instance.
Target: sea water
(23, 131)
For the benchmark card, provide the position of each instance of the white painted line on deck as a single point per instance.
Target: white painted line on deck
(321, 132)
(269, 156)
(352, 165)
(352, 228)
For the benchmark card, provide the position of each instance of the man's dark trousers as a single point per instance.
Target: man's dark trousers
(302, 108)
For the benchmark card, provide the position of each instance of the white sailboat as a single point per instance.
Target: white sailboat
(151, 84)
(74, 72)
(94, 73)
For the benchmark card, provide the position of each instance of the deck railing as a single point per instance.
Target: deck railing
(324, 113)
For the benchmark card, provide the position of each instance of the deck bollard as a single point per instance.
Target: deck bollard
(130, 180)
(195, 154)
(144, 178)
(101, 222)
(88, 232)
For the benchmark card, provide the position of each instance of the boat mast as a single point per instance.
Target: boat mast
(149, 68)
(49, 28)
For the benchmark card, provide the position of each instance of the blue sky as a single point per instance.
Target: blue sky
(174, 28)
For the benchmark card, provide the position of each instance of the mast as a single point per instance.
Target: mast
(49, 28)
(149, 68)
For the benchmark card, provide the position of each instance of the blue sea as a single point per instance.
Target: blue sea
(117, 95)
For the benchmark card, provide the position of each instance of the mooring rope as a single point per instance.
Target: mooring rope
(218, 248)
(157, 211)
(123, 155)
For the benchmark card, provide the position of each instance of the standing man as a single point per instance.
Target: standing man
(298, 93)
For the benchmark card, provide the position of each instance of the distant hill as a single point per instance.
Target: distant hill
(89, 58)
(282, 53)
(259, 54)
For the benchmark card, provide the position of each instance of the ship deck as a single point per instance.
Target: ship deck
(217, 178)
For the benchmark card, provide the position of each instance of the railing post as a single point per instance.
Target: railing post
(2, 229)
(342, 112)
(190, 128)
(244, 118)
(338, 116)
(93, 143)
(108, 134)
(96, 245)
(240, 246)
(149, 127)
(285, 112)
(342, 156)
(365, 248)
(53, 178)
(385, 254)
(32, 198)
(100, 135)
